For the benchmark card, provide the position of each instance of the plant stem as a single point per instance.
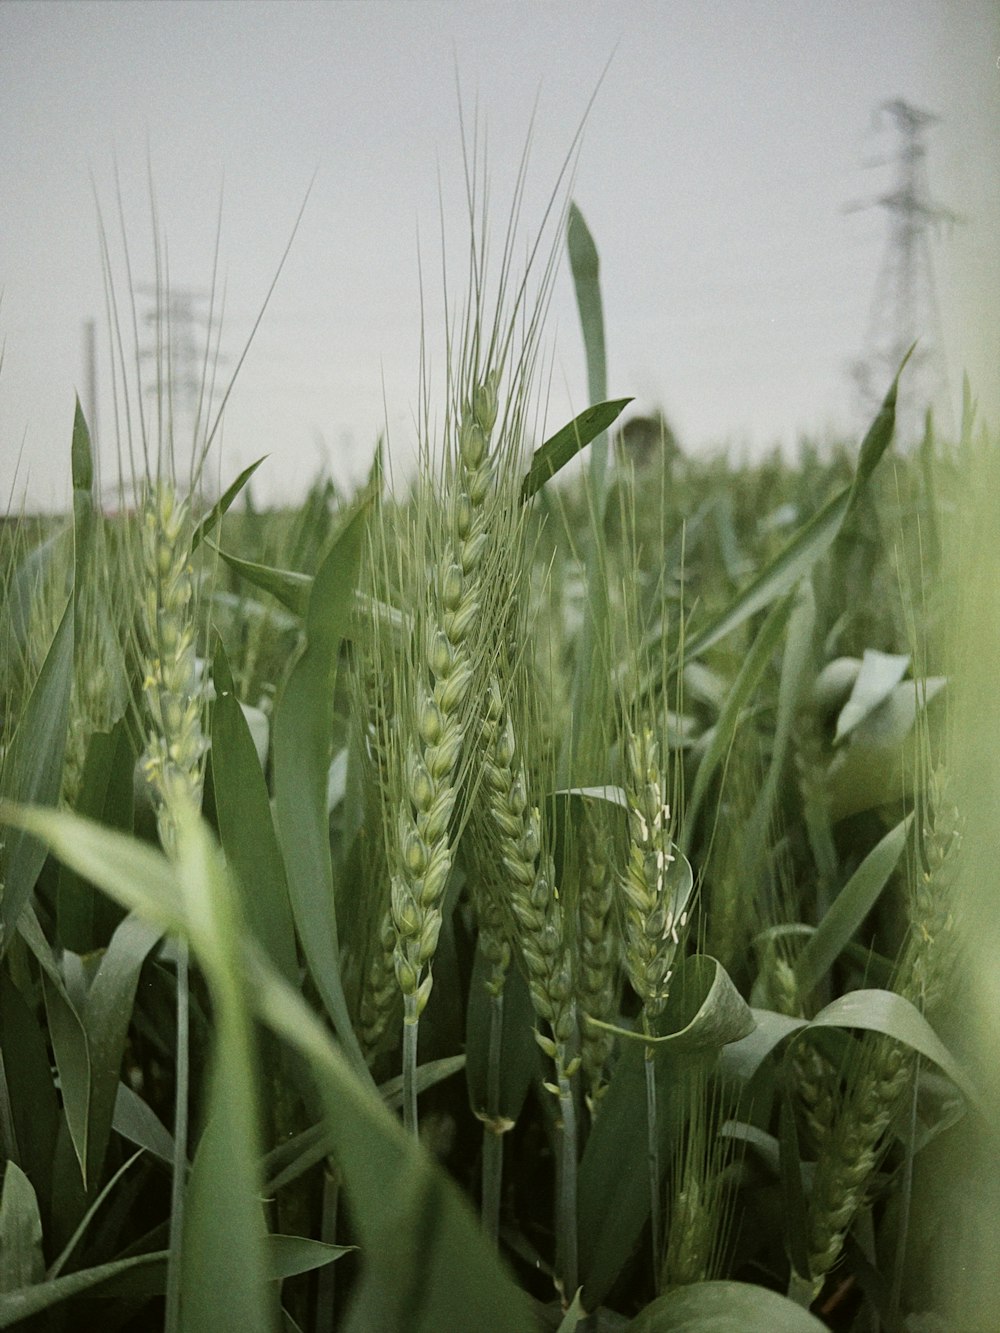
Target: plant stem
(411, 1023)
(179, 1182)
(492, 1129)
(906, 1197)
(7, 1135)
(653, 1166)
(566, 1221)
(328, 1232)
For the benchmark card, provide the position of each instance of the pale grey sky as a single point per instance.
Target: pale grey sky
(722, 147)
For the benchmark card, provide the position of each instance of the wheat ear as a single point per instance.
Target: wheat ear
(172, 762)
(599, 948)
(652, 924)
(435, 714)
(855, 1145)
(176, 743)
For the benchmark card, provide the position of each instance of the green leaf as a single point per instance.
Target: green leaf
(765, 1145)
(875, 443)
(69, 1046)
(805, 548)
(88, 1045)
(303, 726)
(106, 794)
(852, 904)
(82, 466)
(32, 772)
(25, 1073)
(106, 1018)
(795, 1214)
(708, 1011)
(284, 1256)
(586, 270)
(246, 827)
(222, 1248)
(873, 1010)
(752, 669)
(741, 1059)
(137, 875)
(611, 795)
(291, 1159)
(429, 1265)
(26, 1301)
(255, 612)
(875, 766)
(613, 1184)
(724, 1307)
(557, 451)
(585, 265)
(222, 504)
(703, 1009)
(136, 1121)
(832, 687)
(428, 1075)
(890, 1014)
(879, 675)
(95, 1204)
(88, 1040)
(574, 1315)
(81, 458)
(287, 585)
(794, 665)
(45, 565)
(593, 690)
(287, 1256)
(21, 1260)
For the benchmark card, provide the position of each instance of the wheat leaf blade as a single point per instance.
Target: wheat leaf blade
(223, 504)
(303, 724)
(246, 826)
(32, 772)
(852, 904)
(550, 457)
(724, 1307)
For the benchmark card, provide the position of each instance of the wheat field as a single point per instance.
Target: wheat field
(510, 899)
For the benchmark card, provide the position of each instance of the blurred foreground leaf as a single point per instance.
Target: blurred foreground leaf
(427, 1265)
(724, 1307)
(878, 676)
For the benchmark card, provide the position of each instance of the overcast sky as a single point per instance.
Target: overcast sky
(716, 164)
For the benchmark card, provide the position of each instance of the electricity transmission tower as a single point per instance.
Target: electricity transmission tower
(183, 361)
(905, 308)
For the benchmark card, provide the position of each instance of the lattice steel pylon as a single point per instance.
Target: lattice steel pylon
(181, 350)
(905, 307)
